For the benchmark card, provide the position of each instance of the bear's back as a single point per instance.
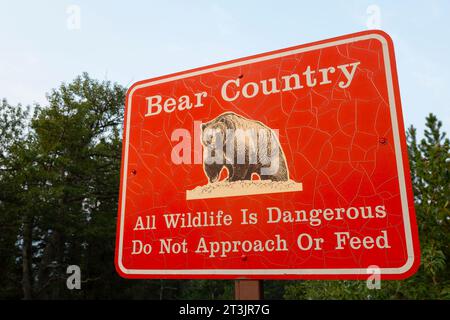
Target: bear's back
(236, 121)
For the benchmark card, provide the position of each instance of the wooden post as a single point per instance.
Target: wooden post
(248, 290)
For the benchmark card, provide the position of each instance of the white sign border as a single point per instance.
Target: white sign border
(276, 272)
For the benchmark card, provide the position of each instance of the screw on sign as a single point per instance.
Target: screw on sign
(290, 164)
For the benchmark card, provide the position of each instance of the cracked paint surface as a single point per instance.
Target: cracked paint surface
(339, 143)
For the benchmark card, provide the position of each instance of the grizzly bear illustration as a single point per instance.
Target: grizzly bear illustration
(244, 147)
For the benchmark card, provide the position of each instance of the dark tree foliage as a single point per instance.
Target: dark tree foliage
(59, 181)
(13, 122)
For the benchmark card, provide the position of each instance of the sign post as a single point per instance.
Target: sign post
(290, 164)
(248, 289)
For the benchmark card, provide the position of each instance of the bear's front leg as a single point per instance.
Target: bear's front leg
(212, 171)
(239, 173)
(230, 172)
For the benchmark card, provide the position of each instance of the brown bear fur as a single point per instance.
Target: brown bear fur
(244, 171)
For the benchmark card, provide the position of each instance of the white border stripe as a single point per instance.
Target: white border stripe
(397, 148)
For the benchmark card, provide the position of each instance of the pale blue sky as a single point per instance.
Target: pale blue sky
(129, 41)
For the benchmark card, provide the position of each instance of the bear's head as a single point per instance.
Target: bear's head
(214, 135)
(213, 140)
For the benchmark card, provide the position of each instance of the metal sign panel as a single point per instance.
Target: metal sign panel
(288, 164)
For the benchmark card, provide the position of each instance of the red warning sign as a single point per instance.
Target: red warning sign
(288, 164)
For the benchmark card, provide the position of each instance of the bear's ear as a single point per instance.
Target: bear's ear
(203, 126)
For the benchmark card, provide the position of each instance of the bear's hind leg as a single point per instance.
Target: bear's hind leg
(239, 173)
